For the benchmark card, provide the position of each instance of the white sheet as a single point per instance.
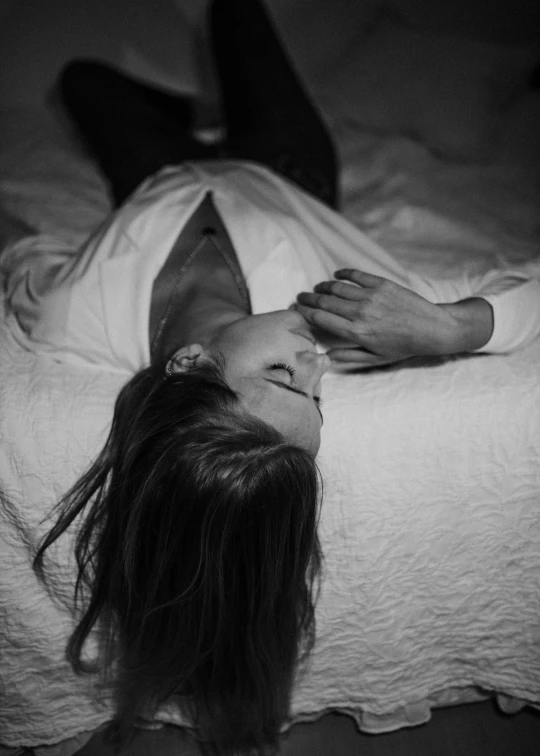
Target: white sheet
(431, 516)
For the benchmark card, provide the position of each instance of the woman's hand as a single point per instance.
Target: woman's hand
(389, 323)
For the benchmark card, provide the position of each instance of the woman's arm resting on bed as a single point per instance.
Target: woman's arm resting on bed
(474, 321)
(390, 323)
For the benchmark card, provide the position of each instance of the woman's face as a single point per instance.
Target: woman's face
(271, 360)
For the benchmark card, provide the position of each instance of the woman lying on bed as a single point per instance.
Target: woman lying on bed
(198, 548)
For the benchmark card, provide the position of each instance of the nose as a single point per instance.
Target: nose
(314, 366)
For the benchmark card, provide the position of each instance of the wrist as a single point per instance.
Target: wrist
(472, 325)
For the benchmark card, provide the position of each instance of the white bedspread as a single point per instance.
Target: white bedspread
(431, 516)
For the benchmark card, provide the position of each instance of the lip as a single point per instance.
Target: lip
(305, 333)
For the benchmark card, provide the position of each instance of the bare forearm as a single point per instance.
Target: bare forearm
(385, 322)
(473, 325)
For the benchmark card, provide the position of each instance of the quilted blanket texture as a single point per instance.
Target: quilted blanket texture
(431, 517)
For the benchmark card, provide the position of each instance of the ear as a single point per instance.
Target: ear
(185, 358)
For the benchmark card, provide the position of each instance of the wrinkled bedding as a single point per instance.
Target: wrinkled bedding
(431, 517)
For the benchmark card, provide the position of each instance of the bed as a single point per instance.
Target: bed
(430, 523)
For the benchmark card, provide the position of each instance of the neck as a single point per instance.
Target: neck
(202, 323)
(199, 322)
(205, 297)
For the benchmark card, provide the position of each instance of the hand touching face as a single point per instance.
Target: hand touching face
(273, 363)
(382, 321)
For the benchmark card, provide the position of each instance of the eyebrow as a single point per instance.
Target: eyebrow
(285, 386)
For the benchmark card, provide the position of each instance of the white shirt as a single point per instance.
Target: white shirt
(93, 304)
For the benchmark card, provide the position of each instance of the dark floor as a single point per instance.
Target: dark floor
(472, 730)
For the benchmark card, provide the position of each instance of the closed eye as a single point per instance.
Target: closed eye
(286, 386)
(291, 371)
(282, 366)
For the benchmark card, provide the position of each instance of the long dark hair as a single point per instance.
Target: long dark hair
(197, 555)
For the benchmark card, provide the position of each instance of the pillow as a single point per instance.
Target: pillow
(46, 181)
(449, 92)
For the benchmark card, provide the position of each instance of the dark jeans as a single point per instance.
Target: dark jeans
(134, 130)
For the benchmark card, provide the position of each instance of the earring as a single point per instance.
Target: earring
(182, 363)
(169, 367)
